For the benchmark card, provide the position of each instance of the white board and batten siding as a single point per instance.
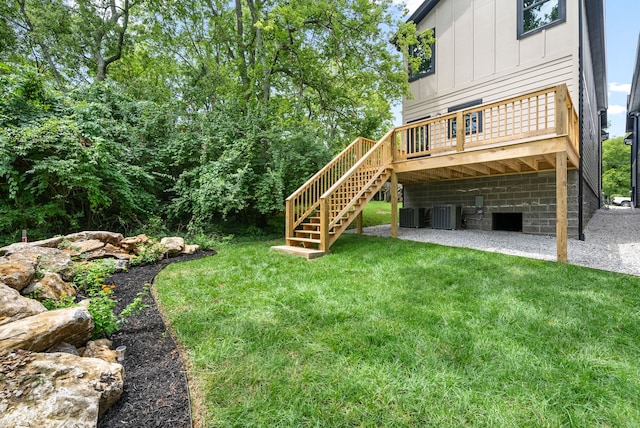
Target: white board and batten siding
(479, 56)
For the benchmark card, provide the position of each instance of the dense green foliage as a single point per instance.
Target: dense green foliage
(185, 115)
(88, 158)
(385, 332)
(616, 167)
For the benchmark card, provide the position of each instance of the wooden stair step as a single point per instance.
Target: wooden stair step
(307, 240)
(311, 232)
(307, 232)
(308, 253)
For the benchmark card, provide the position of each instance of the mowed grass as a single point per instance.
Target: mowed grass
(393, 333)
(375, 213)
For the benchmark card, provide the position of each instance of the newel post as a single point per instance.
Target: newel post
(561, 110)
(460, 131)
(324, 224)
(289, 219)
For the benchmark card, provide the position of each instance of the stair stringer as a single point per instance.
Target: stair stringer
(358, 204)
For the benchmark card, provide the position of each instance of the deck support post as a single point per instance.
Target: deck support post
(359, 223)
(324, 225)
(394, 204)
(289, 220)
(561, 206)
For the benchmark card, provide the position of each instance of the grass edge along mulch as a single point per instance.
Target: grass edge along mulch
(386, 332)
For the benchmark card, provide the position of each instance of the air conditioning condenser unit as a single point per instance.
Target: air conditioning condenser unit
(446, 217)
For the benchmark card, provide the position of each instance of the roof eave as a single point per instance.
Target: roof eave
(596, 27)
(633, 102)
(423, 10)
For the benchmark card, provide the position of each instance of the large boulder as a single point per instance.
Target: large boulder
(173, 244)
(108, 251)
(76, 248)
(13, 306)
(50, 286)
(17, 271)
(46, 259)
(100, 235)
(46, 390)
(39, 332)
(10, 249)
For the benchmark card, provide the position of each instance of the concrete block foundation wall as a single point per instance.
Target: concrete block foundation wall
(533, 195)
(591, 203)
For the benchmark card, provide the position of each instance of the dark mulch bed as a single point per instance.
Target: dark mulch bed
(155, 389)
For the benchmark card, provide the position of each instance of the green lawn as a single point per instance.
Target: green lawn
(375, 213)
(386, 332)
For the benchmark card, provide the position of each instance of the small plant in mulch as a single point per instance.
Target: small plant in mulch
(90, 279)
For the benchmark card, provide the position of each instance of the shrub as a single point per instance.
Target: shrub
(150, 252)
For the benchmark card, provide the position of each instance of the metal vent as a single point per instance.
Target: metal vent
(446, 217)
(413, 217)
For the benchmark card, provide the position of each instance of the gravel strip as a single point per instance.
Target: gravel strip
(612, 241)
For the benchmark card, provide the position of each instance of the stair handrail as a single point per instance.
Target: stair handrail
(325, 168)
(323, 179)
(325, 224)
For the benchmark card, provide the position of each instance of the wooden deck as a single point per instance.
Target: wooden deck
(530, 133)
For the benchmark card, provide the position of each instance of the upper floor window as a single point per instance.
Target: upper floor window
(426, 56)
(535, 15)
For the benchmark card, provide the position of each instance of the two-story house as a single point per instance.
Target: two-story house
(491, 50)
(502, 131)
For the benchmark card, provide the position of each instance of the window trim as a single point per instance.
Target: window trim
(562, 12)
(414, 77)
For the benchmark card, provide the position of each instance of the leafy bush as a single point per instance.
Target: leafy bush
(90, 277)
(83, 160)
(64, 302)
(104, 320)
(149, 252)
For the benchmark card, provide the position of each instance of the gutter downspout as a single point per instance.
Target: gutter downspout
(634, 161)
(580, 123)
(600, 150)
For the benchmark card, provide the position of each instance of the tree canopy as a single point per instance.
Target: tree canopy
(616, 167)
(119, 112)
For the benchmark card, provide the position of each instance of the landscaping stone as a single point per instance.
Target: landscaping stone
(108, 251)
(13, 306)
(50, 286)
(17, 271)
(39, 332)
(49, 259)
(65, 347)
(100, 235)
(190, 249)
(61, 390)
(46, 259)
(100, 348)
(81, 247)
(174, 245)
(130, 244)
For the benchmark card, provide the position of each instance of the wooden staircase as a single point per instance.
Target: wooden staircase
(322, 209)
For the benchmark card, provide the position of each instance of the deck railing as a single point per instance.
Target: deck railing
(548, 112)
